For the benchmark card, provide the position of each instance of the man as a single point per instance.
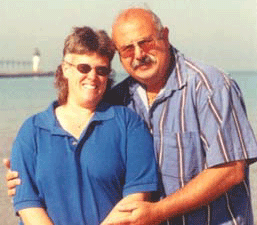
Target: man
(202, 137)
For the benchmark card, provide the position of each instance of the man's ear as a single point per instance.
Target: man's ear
(165, 33)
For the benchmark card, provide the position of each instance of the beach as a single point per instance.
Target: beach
(22, 97)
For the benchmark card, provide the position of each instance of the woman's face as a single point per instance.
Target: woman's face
(87, 77)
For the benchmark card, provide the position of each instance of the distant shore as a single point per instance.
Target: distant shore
(28, 74)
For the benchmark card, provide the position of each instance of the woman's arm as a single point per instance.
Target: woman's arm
(27, 201)
(35, 216)
(115, 213)
(141, 177)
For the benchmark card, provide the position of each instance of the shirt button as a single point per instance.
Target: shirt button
(74, 143)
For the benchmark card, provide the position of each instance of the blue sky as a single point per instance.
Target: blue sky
(221, 33)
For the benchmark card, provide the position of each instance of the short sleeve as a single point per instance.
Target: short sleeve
(23, 160)
(225, 129)
(141, 167)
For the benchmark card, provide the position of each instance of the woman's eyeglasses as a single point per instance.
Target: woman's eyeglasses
(86, 68)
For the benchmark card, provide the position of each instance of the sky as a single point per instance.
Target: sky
(218, 32)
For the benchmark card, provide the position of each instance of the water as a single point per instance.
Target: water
(22, 97)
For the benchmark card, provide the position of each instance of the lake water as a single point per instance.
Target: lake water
(22, 97)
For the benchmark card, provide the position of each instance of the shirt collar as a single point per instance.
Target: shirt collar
(47, 119)
(178, 76)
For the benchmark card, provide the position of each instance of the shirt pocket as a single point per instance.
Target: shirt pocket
(182, 155)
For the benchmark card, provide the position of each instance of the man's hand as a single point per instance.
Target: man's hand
(135, 213)
(123, 212)
(116, 217)
(12, 178)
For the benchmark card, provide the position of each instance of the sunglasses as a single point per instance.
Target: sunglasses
(86, 68)
(146, 45)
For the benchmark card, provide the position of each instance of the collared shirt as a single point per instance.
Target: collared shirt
(198, 121)
(80, 181)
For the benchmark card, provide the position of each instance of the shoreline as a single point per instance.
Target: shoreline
(28, 74)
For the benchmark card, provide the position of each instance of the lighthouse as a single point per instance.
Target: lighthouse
(36, 61)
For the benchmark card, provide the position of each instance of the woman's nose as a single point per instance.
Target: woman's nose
(92, 74)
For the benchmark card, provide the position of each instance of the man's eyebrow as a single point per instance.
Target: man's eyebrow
(126, 46)
(140, 40)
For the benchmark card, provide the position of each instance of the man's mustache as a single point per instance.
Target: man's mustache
(144, 61)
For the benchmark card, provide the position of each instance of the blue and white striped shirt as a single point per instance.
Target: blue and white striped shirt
(198, 120)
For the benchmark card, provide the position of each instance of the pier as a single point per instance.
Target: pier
(10, 68)
(26, 74)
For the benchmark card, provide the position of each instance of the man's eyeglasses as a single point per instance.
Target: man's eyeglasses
(86, 68)
(146, 45)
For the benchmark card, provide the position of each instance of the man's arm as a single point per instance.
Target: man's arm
(207, 186)
(116, 214)
(204, 188)
(35, 216)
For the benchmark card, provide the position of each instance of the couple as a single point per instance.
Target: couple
(202, 138)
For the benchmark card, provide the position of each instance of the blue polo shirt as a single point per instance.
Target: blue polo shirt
(80, 181)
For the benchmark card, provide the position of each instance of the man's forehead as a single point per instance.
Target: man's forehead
(131, 31)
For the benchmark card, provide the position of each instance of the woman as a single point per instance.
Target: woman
(81, 156)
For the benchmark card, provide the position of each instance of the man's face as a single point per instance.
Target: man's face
(144, 52)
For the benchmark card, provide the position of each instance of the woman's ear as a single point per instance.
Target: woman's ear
(65, 68)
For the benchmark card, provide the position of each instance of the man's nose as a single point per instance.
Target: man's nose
(139, 52)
